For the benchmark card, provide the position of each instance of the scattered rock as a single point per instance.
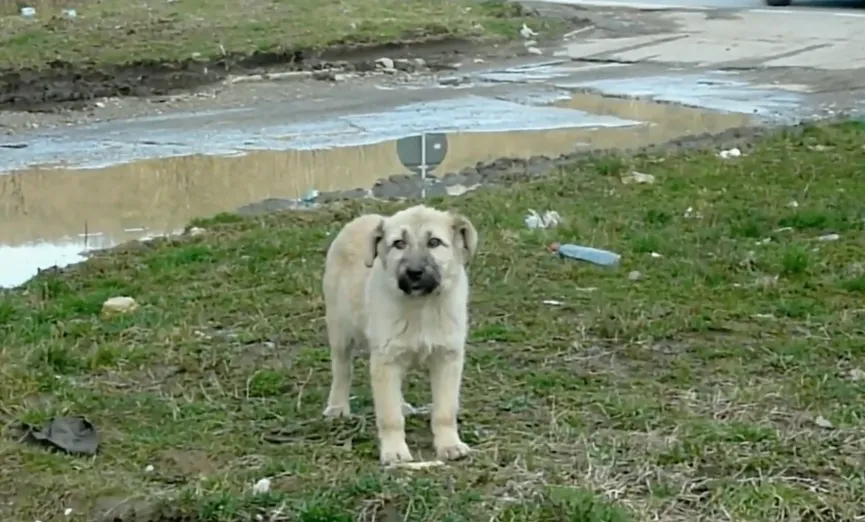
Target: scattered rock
(287, 75)
(405, 65)
(534, 50)
(196, 231)
(459, 190)
(638, 177)
(766, 281)
(526, 32)
(262, 486)
(451, 80)
(324, 75)
(416, 466)
(856, 374)
(384, 63)
(829, 237)
(635, 275)
(823, 422)
(118, 306)
(730, 153)
(479, 60)
(855, 269)
(691, 214)
(749, 261)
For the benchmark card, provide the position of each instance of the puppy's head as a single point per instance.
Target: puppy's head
(423, 249)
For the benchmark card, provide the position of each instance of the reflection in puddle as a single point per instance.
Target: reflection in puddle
(20, 262)
(44, 212)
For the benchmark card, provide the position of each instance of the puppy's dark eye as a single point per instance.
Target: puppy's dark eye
(399, 244)
(434, 242)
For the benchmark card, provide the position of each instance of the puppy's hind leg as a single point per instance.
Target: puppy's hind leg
(341, 371)
(446, 369)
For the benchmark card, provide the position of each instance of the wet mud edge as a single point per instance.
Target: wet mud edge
(63, 86)
(504, 171)
(499, 173)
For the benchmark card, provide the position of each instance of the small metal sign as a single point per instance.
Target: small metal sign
(422, 153)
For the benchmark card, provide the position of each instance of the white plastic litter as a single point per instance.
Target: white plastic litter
(550, 219)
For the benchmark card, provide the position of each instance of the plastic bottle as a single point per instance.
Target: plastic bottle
(584, 253)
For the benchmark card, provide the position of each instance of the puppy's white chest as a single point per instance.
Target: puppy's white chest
(413, 335)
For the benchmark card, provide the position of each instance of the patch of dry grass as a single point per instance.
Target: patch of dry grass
(118, 32)
(723, 383)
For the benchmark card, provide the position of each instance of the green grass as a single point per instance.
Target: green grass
(690, 393)
(118, 32)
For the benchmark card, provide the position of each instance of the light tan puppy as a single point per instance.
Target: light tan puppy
(398, 286)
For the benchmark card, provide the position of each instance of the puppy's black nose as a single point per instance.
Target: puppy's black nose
(414, 275)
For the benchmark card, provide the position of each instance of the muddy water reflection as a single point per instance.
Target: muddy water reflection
(39, 207)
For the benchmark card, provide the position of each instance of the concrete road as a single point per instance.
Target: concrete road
(852, 7)
(764, 39)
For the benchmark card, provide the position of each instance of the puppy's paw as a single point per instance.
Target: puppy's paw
(452, 450)
(394, 453)
(337, 410)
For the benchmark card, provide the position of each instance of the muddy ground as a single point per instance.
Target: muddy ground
(62, 87)
(505, 171)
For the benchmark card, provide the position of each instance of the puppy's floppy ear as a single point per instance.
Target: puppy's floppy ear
(465, 236)
(375, 240)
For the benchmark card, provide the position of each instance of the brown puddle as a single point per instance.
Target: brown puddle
(128, 201)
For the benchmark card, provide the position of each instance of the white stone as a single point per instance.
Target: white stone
(119, 305)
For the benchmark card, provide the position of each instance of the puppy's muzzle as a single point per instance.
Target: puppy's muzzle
(418, 280)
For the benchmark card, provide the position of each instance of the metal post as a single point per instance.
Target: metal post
(423, 165)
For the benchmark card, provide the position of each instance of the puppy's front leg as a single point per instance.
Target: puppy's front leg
(446, 370)
(386, 379)
(341, 370)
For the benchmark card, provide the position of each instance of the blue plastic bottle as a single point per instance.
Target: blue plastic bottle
(583, 253)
